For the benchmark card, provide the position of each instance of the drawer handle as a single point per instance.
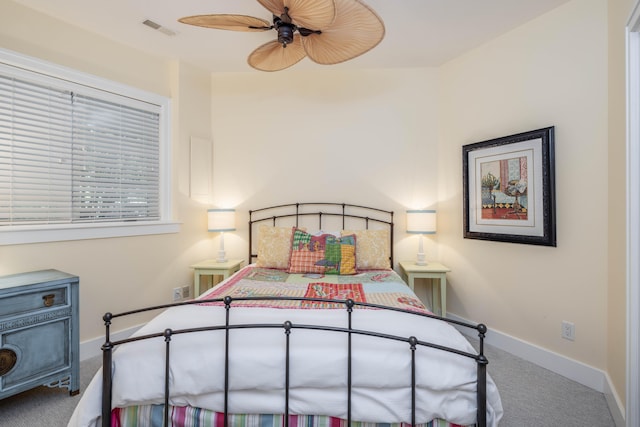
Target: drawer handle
(8, 360)
(49, 299)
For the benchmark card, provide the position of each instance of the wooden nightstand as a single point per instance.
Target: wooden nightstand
(211, 267)
(433, 270)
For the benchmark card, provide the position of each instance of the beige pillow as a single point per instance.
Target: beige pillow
(373, 248)
(274, 246)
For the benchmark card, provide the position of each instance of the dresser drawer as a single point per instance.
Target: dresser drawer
(28, 302)
(40, 351)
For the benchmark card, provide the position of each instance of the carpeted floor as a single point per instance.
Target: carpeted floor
(43, 406)
(536, 397)
(531, 396)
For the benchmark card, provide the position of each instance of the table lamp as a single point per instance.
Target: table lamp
(221, 220)
(421, 221)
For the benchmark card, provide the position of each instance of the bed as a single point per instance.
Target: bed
(317, 329)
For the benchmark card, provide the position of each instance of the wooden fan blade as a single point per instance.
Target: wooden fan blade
(312, 14)
(228, 22)
(273, 56)
(356, 30)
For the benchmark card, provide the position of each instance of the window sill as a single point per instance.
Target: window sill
(15, 235)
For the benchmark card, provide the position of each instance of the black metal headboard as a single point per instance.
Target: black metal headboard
(330, 216)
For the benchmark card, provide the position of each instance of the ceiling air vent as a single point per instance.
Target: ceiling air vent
(149, 23)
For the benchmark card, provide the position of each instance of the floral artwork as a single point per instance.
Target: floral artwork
(509, 189)
(504, 188)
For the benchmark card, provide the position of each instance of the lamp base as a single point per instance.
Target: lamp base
(222, 257)
(420, 260)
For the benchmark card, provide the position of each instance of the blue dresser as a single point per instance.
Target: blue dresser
(39, 332)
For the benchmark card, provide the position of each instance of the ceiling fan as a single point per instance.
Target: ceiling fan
(327, 31)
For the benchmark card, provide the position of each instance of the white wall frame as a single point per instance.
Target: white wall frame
(633, 218)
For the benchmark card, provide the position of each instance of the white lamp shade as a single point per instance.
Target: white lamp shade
(421, 221)
(221, 220)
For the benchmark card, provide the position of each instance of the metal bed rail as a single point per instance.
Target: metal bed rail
(288, 327)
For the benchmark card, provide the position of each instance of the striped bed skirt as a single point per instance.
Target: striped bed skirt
(187, 416)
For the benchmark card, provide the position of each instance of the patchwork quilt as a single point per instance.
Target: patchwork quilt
(382, 287)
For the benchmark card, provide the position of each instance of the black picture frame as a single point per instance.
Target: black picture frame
(509, 188)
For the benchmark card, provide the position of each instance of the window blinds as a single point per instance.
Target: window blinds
(71, 157)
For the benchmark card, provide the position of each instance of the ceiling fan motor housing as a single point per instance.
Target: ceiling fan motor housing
(285, 33)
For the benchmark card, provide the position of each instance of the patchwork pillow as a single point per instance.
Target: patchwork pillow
(274, 246)
(373, 250)
(323, 254)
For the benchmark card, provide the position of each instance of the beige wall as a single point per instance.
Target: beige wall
(549, 72)
(37, 35)
(366, 137)
(124, 273)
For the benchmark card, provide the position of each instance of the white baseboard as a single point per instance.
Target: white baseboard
(574, 370)
(93, 347)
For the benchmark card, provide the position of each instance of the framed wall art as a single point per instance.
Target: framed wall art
(509, 188)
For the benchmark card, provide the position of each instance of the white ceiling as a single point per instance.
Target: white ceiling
(419, 33)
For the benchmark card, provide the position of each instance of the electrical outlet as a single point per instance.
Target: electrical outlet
(186, 291)
(177, 294)
(568, 331)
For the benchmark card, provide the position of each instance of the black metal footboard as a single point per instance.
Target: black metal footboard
(412, 344)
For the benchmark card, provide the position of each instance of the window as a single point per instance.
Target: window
(80, 157)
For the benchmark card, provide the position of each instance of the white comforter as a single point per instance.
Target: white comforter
(381, 369)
